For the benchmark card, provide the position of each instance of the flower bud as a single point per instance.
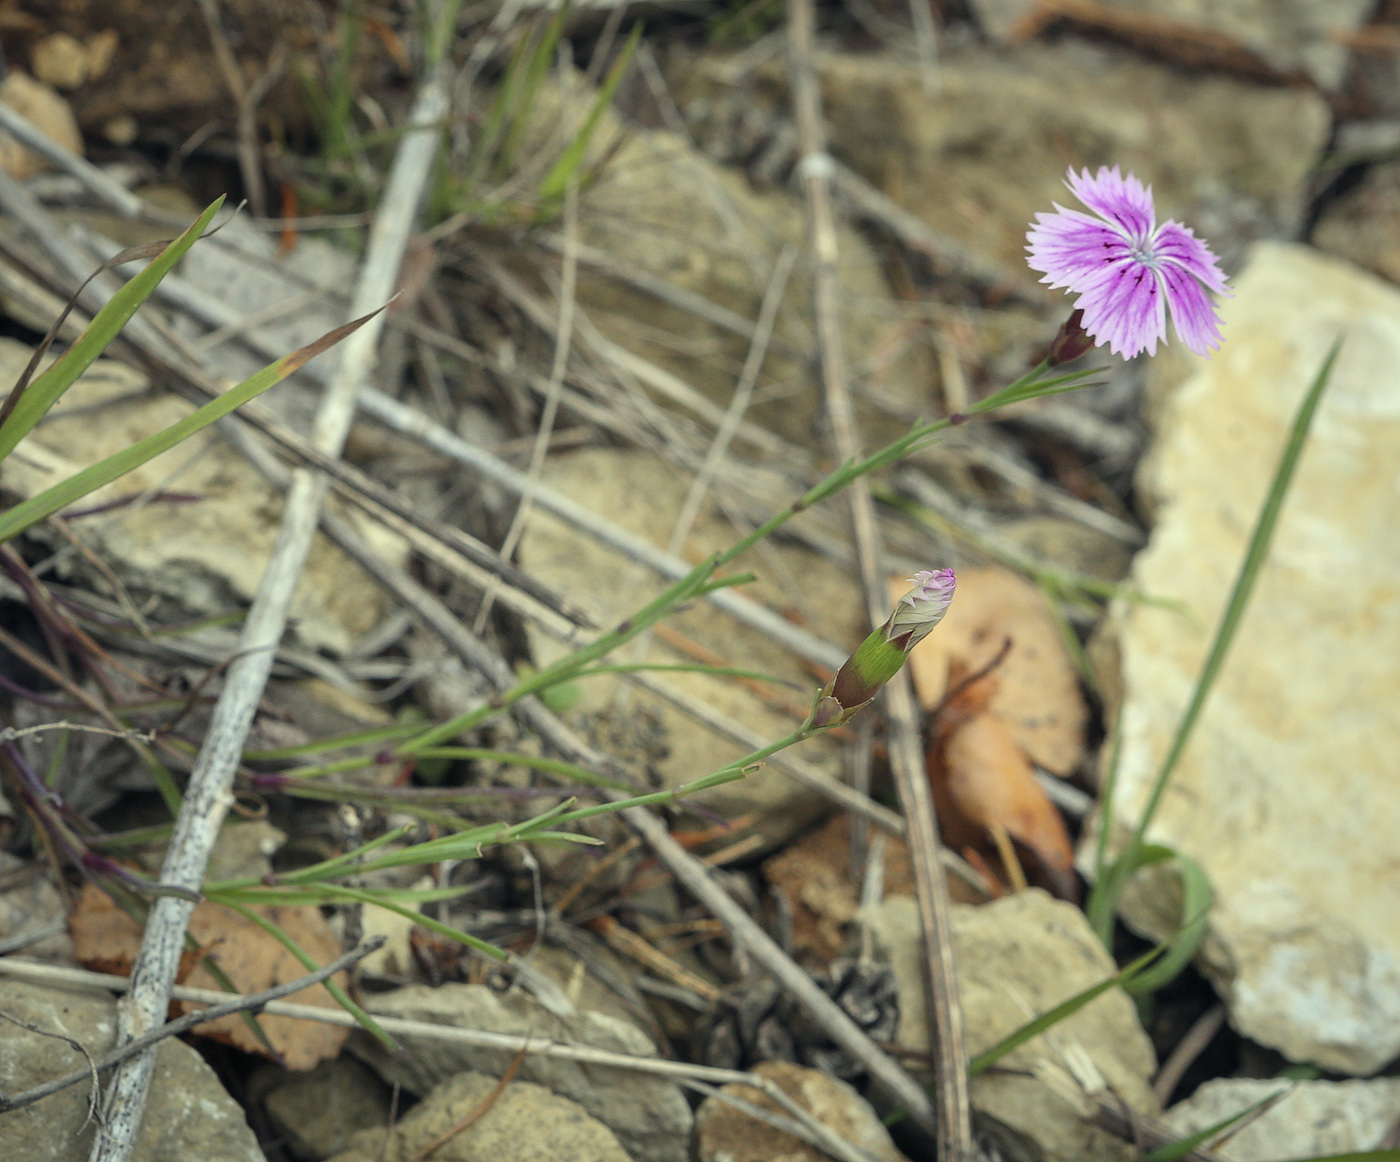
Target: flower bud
(1070, 343)
(881, 655)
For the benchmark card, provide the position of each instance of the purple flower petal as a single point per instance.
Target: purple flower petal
(1070, 246)
(1193, 314)
(1124, 307)
(1121, 200)
(1175, 243)
(1127, 271)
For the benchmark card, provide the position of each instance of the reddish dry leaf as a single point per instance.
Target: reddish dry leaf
(106, 939)
(1038, 689)
(981, 780)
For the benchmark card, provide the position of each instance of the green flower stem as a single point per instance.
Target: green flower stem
(698, 581)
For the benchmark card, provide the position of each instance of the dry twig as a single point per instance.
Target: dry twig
(954, 1122)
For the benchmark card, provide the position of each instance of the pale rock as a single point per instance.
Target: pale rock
(60, 60)
(1286, 795)
(208, 555)
(188, 1114)
(522, 1122)
(1016, 958)
(1316, 1118)
(724, 1133)
(1288, 35)
(649, 1115)
(37, 103)
(982, 157)
(643, 495)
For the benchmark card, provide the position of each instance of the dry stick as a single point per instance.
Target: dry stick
(954, 1122)
(236, 1004)
(95, 180)
(809, 1129)
(457, 550)
(1197, 1037)
(413, 423)
(208, 795)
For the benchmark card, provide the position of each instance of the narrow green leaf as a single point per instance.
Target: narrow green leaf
(1052, 1017)
(1197, 898)
(1177, 1150)
(46, 389)
(15, 520)
(1103, 900)
(556, 181)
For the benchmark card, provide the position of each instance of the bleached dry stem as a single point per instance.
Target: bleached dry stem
(208, 795)
(815, 170)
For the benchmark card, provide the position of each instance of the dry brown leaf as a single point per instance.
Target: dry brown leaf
(1038, 689)
(106, 939)
(981, 780)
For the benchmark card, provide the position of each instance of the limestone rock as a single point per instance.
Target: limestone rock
(1289, 35)
(644, 495)
(523, 1123)
(1286, 795)
(207, 555)
(1017, 957)
(317, 1113)
(726, 1134)
(1316, 1118)
(188, 1114)
(649, 1115)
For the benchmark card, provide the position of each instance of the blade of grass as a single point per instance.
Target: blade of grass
(15, 520)
(46, 389)
(1198, 896)
(1051, 1017)
(1103, 899)
(556, 181)
(1177, 1150)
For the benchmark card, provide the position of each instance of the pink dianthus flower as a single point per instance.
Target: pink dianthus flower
(1127, 270)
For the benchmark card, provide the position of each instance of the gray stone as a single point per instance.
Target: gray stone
(522, 1122)
(316, 1113)
(1017, 957)
(208, 556)
(726, 1134)
(1316, 1118)
(188, 1114)
(643, 494)
(1289, 35)
(1286, 795)
(649, 1115)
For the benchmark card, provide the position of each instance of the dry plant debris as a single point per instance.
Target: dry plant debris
(106, 939)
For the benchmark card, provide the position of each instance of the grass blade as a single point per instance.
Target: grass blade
(1103, 900)
(1173, 1151)
(45, 390)
(15, 520)
(1051, 1017)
